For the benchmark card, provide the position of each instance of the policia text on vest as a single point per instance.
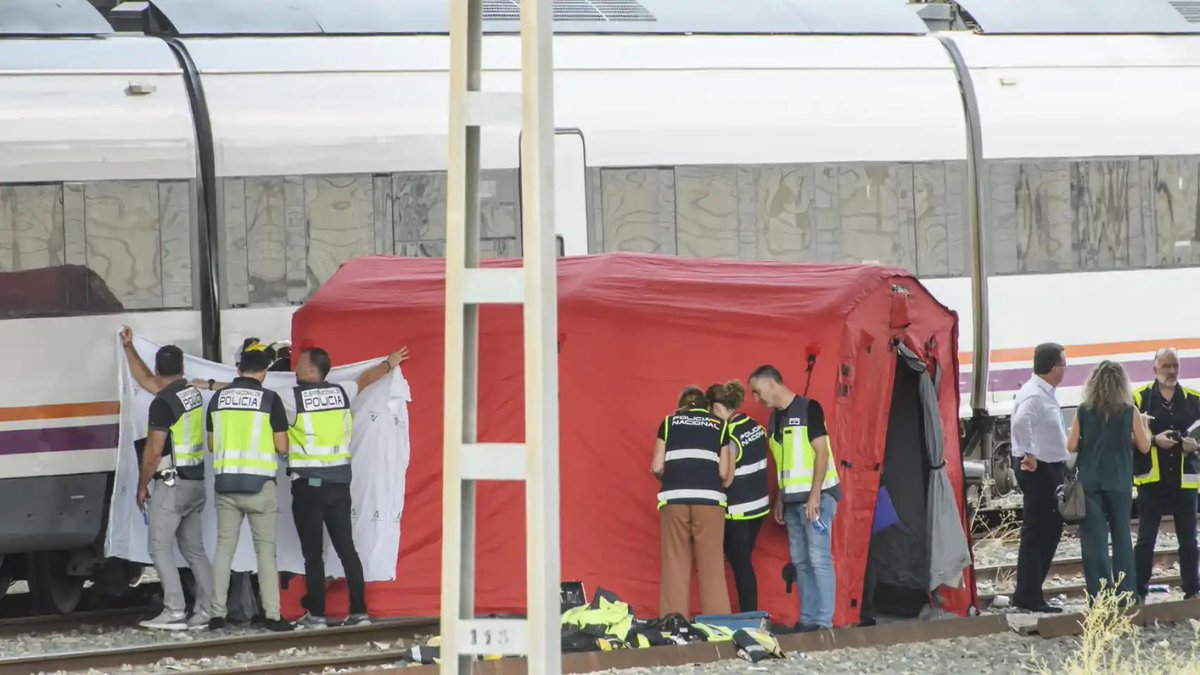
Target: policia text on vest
(247, 429)
(694, 460)
(172, 472)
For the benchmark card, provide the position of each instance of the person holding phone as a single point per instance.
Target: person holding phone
(809, 491)
(1168, 476)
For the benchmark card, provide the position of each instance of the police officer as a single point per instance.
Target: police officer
(748, 503)
(319, 464)
(694, 460)
(173, 460)
(247, 428)
(808, 491)
(1168, 476)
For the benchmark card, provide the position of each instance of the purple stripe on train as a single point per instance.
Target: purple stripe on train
(58, 439)
(1140, 372)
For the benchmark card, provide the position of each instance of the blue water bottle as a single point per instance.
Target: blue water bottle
(820, 526)
(146, 512)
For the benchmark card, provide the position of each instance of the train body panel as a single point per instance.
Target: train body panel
(88, 110)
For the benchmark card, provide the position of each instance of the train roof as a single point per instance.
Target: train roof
(324, 17)
(1083, 17)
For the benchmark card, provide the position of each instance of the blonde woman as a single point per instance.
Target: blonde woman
(1104, 426)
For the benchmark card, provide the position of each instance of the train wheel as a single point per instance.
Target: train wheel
(53, 589)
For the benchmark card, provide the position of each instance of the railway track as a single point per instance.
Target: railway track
(388, 632)
(1061, 567)
(984, 539)
(57, 623)
(1073, 590)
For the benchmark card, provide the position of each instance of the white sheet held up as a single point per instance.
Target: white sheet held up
(379, 446)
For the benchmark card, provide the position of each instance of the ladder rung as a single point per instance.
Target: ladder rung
(493, 636)
(483, 286)
(492, 108)
(492, 461)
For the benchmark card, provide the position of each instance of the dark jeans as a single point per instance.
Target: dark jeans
(1041, 528)
(740, 536)
(316, 508)
(1107, 517)
(1153, 504)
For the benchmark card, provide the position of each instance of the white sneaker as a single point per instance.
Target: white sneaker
(310, 622)
(357, 620)
(168, 620)
(198, 621)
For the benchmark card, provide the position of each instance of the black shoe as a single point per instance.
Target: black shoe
(278, 625)
(216, 623)
(1188, 596)
(807, 628)
(1043, 608)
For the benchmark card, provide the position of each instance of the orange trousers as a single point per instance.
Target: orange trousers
(693, 533)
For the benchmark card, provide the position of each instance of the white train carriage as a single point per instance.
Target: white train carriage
(201, 178)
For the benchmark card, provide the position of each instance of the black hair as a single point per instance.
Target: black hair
(768, 371)
(283, 360)
(168, 362)
(257, 361)
(692, 397)
(320, 360)
(1046, 356)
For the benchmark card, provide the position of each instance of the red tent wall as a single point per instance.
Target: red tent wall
(633, 330)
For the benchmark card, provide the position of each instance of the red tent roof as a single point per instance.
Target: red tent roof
(633, 330)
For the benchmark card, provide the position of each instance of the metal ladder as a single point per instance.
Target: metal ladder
(467, 287)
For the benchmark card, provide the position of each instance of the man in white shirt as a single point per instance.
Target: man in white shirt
(1039, 455)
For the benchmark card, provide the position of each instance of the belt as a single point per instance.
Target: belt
(166, 475)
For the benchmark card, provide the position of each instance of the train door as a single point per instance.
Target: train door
(570, 192)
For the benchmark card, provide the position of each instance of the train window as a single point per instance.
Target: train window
(706, 211)
(1091, 215)
(637, 210)
(942, 235)
(85, 248)
(785, 220)
(875, 211)
(909, 215)
(1176, 210)
(284, 236)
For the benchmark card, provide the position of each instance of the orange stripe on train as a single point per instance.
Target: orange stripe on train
(60, 411)
(1147, 347)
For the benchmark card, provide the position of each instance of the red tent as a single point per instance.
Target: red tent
(633, 330)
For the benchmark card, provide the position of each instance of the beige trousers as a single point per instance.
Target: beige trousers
(693, 535)
(262, 510)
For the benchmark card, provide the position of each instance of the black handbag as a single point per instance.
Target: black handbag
(1072, 503)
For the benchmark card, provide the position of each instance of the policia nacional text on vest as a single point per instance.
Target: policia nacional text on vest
(319, 441)
(692, 471)
(184, 450)
(243, 441)
(747, 495)
(795, 457)
(1147, 469)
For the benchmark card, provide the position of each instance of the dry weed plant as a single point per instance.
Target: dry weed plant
(1112, 644)
(1000, 538)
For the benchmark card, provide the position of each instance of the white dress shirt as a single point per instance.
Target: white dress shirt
(1037, 424)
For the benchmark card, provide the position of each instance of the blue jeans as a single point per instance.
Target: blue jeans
(813, 557)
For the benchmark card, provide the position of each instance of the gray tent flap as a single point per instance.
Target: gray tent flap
(949, 554)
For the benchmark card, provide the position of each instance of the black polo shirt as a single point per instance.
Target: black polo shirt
(1177, 415)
